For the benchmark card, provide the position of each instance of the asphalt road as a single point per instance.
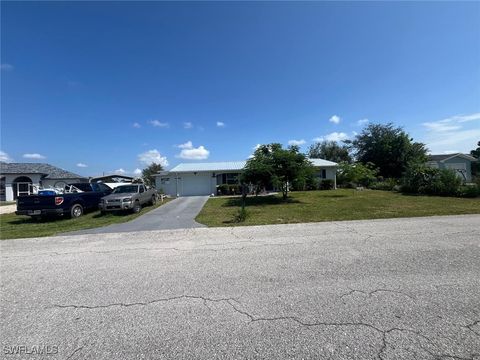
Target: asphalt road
(381, 289)
(179, 213)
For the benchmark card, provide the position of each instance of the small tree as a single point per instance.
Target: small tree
(271, 164)
(357, 174)
(329, 150)
(148, 174)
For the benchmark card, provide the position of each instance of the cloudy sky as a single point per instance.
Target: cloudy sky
(100, 87)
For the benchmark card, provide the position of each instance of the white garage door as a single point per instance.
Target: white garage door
(199, 184)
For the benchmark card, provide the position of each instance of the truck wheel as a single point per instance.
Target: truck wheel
(154, 200)
(76, 211)
(136, 207)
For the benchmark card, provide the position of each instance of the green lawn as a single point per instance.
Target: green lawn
(14, 227)
(343, 204)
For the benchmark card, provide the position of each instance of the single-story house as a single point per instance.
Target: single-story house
(192, 179)
(26, 178)
(461, 163)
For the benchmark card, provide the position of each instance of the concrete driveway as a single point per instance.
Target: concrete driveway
(179, 213)
(381, 289)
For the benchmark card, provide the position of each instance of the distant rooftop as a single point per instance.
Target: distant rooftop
(212, 166)
(232, 166)
(322, 162)
(442, 157)
(51, 171)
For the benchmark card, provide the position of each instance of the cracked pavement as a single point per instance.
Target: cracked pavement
(378, 289)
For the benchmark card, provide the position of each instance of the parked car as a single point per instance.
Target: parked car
(72, 201)
(128, 197)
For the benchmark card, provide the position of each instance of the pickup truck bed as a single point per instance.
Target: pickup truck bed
(71, 204)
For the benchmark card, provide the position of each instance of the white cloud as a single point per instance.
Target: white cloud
(157, 123)
(82, 165)
(334, 136)
(256, 147)
(452, 123)
(6, 67)
(5, 157)
(220, 124)
(362, 122)
(119, 171)
(187, 145)
(187, 125)
(296, 142)
(440, 126)
(335, 119)
(34, 156)
(136, 125)
(153, 156)
(189, 152)
(137, 172)
(455, 132)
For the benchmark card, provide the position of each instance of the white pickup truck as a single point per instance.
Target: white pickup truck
(128, 197)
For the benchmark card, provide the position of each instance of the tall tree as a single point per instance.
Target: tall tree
(389, 148)
(271, 164)
(329, 150)
(148, 174)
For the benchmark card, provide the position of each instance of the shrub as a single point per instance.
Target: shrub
(421, 179)
(445, 182)
(326, 184)
(388, 184)
(229, 189)
(357, 174)
(469, 191)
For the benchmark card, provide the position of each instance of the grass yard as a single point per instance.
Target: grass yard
(342, 204)
(14, 227)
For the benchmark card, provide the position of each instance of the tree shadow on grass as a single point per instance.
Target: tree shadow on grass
(260, 201)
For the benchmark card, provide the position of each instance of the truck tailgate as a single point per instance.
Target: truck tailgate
(36, 202)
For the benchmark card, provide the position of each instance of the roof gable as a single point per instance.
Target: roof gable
(445, 157)
(51, 172)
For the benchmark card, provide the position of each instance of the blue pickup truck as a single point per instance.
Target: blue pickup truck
(73, 202)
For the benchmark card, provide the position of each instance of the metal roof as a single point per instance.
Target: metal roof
(213, 166)
(322, 162)
(51, 171)
(230, 166)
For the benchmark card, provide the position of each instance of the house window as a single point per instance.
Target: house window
(324, 174)
(165, 181)
(229, 178)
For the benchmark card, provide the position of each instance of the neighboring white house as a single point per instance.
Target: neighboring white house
(26, 178)
(192, 179)
(461, 163)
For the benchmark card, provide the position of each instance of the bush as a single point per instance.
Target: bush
(388, 184)
(229, 189)
(357, 174)
(326, 184)
(469, 191)
(421, 179)
(446, 182)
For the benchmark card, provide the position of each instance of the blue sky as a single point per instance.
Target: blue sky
(116, 85)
